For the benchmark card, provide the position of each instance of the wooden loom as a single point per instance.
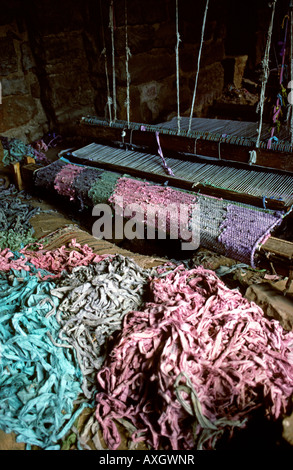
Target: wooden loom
(215, 157)
(226, 159)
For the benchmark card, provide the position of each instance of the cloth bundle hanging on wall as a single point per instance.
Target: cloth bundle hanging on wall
(193, 365)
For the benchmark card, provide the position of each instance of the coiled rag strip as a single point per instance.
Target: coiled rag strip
(93, 302)
(199, 356)
(65, 258)
(15, 214)
(39, 381)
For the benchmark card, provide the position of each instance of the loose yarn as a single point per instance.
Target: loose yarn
(15, 214)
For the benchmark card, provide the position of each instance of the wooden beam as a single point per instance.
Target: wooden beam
(174, 145)
(16, 175)
(179, 183)
(277, 254)
(278, 247)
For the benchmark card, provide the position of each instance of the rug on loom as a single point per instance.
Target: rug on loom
(232, 229)
(84, 185)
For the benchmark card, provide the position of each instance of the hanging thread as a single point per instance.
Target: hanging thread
(279, 104)
(291, 65)
(177, 68)
(127, 55)
(113, 58)
(198, 64)
(104, 52)
(266, 70)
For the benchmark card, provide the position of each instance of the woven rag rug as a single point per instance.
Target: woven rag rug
(232, 229)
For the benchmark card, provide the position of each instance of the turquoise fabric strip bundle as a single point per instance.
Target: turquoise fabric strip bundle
(39, 381)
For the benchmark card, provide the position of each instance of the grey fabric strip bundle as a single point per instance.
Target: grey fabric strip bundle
(93, 302)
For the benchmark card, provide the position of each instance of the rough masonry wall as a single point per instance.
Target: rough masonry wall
(21, 113)
(52, 67)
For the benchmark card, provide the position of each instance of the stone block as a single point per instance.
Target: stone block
(140, 39)
(234, 70)
(273, 303)
(8, 62)
(212, 52)
(63, 48)
(153, 65)
(16, 111)
(14, 86)
(27, 59)
(210, 84)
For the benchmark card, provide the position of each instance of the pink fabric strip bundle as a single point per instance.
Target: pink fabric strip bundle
(64, 258)
(55, 261)
(65, 178)
(198, 359)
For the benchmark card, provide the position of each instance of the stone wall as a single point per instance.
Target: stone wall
(21, 112)
(152, 66)
(52, 67)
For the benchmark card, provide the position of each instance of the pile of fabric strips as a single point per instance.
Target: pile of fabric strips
(170, 353)
(15, 214)
(40, 379)
(196, 362)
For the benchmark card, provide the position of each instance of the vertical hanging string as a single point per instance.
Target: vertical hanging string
(113, 58)
(265, 64)
(198, 63)
(177, 67)
(279, 103)
(291, 66)
(104, 52)
(128, 55)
